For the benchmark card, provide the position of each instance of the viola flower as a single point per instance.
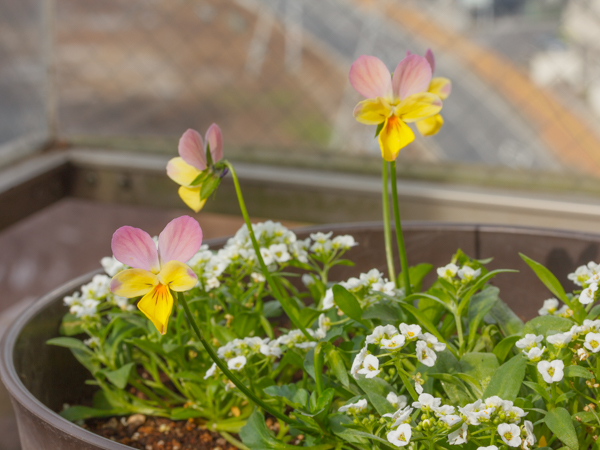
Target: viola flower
(441, 87)
(191, 162)
(156, 272)
(392, 102)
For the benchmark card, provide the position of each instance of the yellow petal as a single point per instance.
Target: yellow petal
(191, 197)
(181, 172)
(157, 305)
(178, 276)
(372, 111)
(394, 135)
(133, 283)
(441, 87)
(431, 125)
(418, 106)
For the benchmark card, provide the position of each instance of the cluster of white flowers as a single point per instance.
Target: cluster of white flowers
(551, 308)
(587, 277)
(84, 304)
(553, 371)
(465, 273)
(373, 281)
(392, 339)
(278, 246)
(111, 266)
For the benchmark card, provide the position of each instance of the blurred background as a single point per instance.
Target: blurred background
(94, 96)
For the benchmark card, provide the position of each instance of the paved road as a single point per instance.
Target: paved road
(480, 126)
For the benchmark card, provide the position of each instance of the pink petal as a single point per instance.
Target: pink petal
(370, 77)
(180, 240)
(412, 75)
(430, 59)
(191, 149)
(215, 140)
(135, 248)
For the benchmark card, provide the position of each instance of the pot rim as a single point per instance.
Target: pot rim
(21, 394)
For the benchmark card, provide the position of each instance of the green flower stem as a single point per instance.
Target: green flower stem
(318, 364)
(459, 332)
(387, 234)
(233, 441)
(284, 301)
(399, 237)
(406, 380)
(221, 364)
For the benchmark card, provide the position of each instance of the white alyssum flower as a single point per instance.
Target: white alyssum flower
(460, 436)
(489, 447)
(510, 434)
(432, 342)
(581, 274)
(397, 401)
(427, 402)
(74, 299)
(418, 388)
(87, 309)
(307, 279)
(450, 419)
(257, 277)
(210, 372)
(401, 436)
(345, 242)
(448, 271)
(559, 340)
(535, 354)
(400, 416)
(381, 332)
(354, 408)
(549, 308)
(111, 266)
(236, 363)
(328, 300)
(394, 343)
(425, 355)
(529, 341)
(470, 413)
(271, 349)
(370, 367)
(552, 372)
(444, 410)
(321, 238)
(358, 362)
(92, 342)
(592, 342)
(468, 273)
(529, 439)
(410, 332)
(587, 296)
(280, 253)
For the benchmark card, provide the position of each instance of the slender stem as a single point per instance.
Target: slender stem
(233, 441)
(221, 364)
(387, 234)
(459, 332)
(274, 288)
(318, 365)
(399, 237)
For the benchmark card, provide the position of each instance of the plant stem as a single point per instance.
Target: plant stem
(221, 364)
(459, 332)
(387, 234)
(284, 301)
(399, 237)
(318, 365)
(233, 441)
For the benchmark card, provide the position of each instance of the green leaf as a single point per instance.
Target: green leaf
(376, 390)
(481, 304)
(309, 315)
(71, 325)
(504, 347)
(386, 312)
(587, 417)
(120, 376)
(336, 364)
(505, 318)
(464, 303)
(578, 371)
(560, 423)
(481, 366)
(347, 302)
(508, 379)
(547, 278)
(594, 313)
(75, 413)
(416, 275)
(69, 342)
(546, 325)
(536, 387)
(257, 436)
(294, 396)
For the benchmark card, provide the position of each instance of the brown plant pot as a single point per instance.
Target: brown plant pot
(40, 378)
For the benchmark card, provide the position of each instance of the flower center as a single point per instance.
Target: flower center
(551, 371)
(508, 436)
(594, 344)
(402, 437)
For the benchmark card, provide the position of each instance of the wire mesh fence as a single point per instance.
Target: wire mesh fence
(274, 73)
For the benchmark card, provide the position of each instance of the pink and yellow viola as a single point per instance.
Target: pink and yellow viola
(441, 87)
(156, 272)
(392, 102)
(192, 161)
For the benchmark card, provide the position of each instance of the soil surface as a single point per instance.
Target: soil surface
(152, 433)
